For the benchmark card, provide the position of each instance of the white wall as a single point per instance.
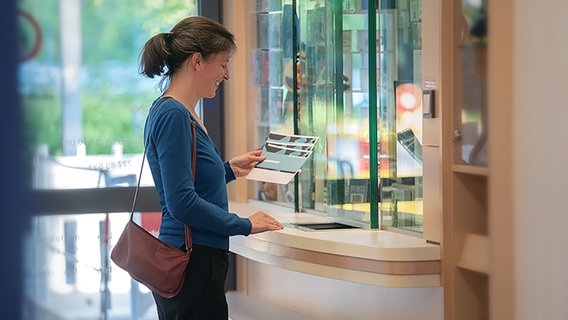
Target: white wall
(529, 113)
(540, 116)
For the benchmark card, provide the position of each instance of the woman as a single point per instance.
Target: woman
(192, 60)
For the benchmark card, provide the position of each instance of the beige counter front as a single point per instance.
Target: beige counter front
(362, 255)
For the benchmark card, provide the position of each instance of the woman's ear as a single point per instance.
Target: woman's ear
(196, 60)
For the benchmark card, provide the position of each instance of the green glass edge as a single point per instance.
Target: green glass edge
(373, 139)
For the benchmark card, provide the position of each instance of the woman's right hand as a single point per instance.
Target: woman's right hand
(262, 221)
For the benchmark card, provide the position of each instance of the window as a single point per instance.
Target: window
(85, 105)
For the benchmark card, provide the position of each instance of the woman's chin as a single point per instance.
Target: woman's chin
(212, 94)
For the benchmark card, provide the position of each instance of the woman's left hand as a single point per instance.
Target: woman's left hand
(243, 164)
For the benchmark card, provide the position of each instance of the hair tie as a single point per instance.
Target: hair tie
(168, 36)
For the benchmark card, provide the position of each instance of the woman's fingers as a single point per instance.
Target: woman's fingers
(261, 221)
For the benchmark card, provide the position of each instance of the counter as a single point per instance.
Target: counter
(362, 255)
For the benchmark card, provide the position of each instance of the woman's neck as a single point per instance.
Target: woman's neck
(180, 89)
(187, 100)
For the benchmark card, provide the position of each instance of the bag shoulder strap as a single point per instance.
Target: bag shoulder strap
(188, 238)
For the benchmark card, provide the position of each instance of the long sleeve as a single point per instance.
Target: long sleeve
(203, 205)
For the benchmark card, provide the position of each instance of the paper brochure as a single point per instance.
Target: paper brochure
(285, 156)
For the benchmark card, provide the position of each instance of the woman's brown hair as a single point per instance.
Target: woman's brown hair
(164, 53)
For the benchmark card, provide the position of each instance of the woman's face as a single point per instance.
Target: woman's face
(215, 70)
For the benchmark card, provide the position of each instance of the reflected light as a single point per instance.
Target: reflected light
(407, 100)
(408, 97)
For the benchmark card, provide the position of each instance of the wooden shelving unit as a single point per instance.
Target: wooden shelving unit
(474, 170)
(466, 241)
(475, 253)
(466, 248)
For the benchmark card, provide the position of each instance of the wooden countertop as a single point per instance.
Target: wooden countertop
(362, 255)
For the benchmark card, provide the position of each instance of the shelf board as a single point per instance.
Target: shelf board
(475, 170)
(475, 253)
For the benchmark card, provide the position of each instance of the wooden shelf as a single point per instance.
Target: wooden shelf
(475, 170)
(475, 253)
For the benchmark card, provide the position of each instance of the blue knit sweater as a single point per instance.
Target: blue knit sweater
(202, 204)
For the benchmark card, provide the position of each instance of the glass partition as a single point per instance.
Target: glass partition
(471, 124)
(84, 100)
(334, 103)
(273, 77)
(400, 112)
(84, 105)
(68, 273)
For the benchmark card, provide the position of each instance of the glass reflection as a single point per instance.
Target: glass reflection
(274, 72)
(400, 113)
(68, 273)
(83, 98)
(84, 105)
(333, 81)
(472, 93)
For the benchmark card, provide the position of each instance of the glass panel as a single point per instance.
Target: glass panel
(471, 88)
(332, 66)
(85, 102)
(85, 105)
(68, 273)
(274, 68)
(400, 112)
(333, 104)
(321, 111)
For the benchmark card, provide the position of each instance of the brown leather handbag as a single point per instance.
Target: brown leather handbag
(150, 261)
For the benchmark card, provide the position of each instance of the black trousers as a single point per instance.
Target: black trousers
(203, 292)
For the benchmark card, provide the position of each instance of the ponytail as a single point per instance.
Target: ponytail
(154, 55)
